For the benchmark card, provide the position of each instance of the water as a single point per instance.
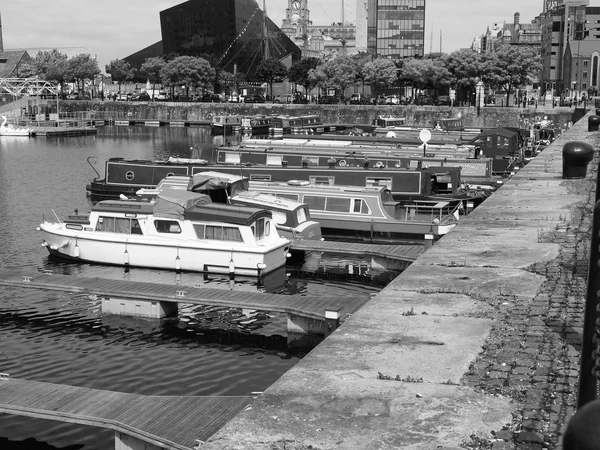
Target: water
(63, 338)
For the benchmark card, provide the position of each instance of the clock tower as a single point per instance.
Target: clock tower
(296, 20)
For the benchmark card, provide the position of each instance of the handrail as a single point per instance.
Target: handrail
(589, 371)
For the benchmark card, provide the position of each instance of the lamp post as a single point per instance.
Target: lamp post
(479, 95)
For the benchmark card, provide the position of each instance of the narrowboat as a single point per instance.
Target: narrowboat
(292, 219)
(314, 151)
(306, 124)
(181, 231)
(431, 183)
(256, 124)
(451, 129)
(369, 213)
(506, 147)
(223, 124)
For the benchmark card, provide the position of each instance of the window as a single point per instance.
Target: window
(167, 226)
(221, 233)
(279, 217)
(315, 202)
(360, 206)
(302, 215)
(118, 225)
(262, 228)
(338, 204)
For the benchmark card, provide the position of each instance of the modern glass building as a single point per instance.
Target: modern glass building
(396, 28)
(234, 34)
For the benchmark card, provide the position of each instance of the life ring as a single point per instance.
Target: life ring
(379, 164)
(342, 163)
(298, 183)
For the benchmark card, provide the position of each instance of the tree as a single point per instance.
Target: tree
(338, 74)
(379, 73)
(190, 71)
(80, 68)
(466, 68)
(271, 71)
(49, 65)
(152, 67)
(298, 73)
(511, 67)
(426, 73)
(120, 70)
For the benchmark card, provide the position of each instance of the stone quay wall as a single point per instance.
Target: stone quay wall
(476, 345)
(421, 116)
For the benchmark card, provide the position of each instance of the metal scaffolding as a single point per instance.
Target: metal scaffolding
(20, 87)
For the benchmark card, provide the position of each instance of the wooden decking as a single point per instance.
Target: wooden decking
(408, 253)
(312, 307)
(169, 422)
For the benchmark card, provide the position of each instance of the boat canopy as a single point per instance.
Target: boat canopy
(175, 202)
(210, 181)
(232, 214)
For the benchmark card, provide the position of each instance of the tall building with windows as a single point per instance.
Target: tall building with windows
(396, 28)
(571, 48)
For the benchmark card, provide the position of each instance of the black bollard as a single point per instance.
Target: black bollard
(593, 122)
(576, 157)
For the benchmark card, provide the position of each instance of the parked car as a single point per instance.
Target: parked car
(443, 100)
(123, 97)
(254, 98)
(286, 98)
(356, 99)
(161, 96)
(141, 97)
(327, 100)
(211, 97)
(392, 100)
(234, 98)
(72, 96)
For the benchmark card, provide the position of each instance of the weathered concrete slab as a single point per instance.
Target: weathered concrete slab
(474, 344)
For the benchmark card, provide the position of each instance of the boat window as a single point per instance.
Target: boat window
(302, 214)
(279, 217)
(315, 202)
(503, 142)
(199, 229)
(167, 226)
(232, 158)
(259, 231)
(372, 181)
(123, 225)
(316, 179)
(221, 233)
(260, 177)
(274, 160)
(338, 204)
(72, 226)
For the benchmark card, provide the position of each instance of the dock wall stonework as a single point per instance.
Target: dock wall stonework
(424, 116)
(476, 345)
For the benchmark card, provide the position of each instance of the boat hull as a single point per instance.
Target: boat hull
(165, 254)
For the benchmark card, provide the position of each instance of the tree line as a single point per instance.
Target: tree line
(507, 69)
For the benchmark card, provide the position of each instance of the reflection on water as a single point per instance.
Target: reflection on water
(61, 337)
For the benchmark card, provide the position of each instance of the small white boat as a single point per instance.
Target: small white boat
(7, 129)
(181, 230)
(292, 219)
(366, 212)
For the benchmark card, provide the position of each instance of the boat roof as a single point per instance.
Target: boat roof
(211, 180)
(233, 214)
(175, 202)
(267, 200)
(305, 186)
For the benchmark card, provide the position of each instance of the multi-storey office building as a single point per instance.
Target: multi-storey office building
(571, 48)
(396, 28)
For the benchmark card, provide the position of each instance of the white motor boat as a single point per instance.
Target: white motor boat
(7, 129)
(181, 230)
(292, 219)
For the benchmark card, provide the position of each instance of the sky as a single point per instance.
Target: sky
(114, 29)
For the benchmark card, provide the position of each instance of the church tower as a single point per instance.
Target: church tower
(296, 22)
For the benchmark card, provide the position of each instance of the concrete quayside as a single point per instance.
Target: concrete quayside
(476, 344)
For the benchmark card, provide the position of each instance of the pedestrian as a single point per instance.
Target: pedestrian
(583, 432)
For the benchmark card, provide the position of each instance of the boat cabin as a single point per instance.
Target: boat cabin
(505, 145)
(389, 121)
